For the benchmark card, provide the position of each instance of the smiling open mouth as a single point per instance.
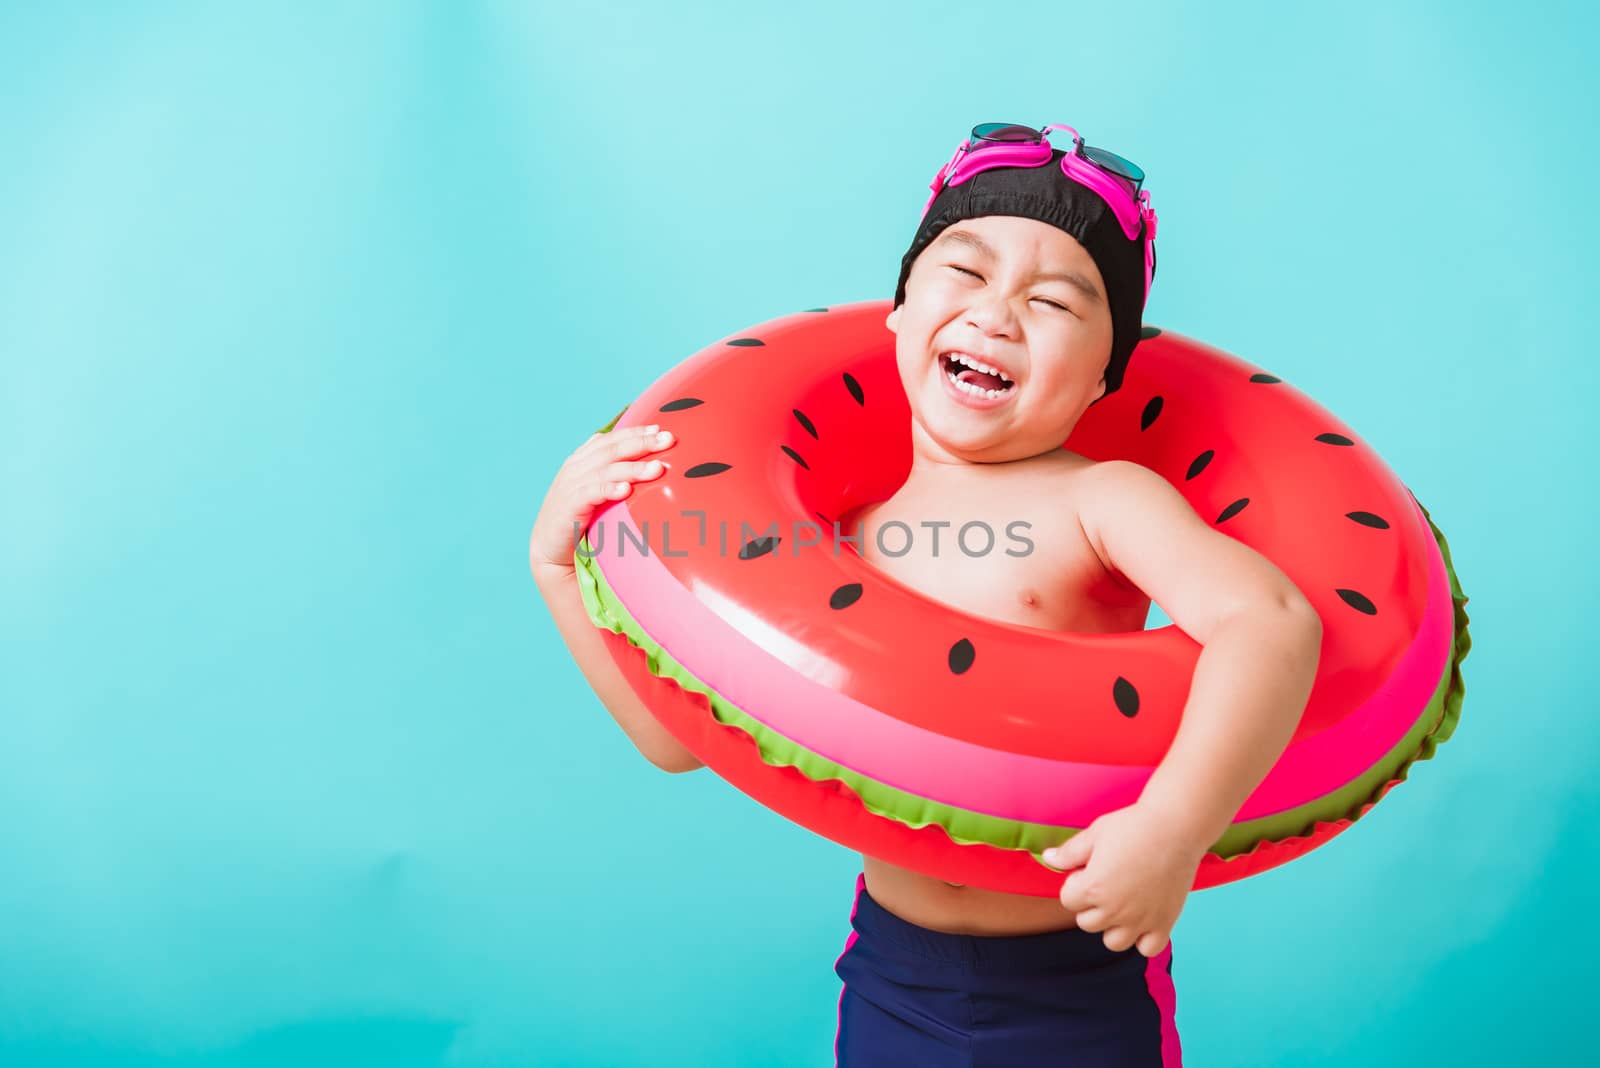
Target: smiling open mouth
(974, 377)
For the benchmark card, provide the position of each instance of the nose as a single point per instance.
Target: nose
(995, 317)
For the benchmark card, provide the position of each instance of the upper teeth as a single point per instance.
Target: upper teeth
(963, 358)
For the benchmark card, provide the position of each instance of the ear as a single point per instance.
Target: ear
(893, 321)
(1102, 392)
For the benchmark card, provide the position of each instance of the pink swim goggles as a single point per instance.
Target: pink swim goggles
(1114, 179)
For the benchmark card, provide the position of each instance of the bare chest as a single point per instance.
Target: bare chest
(1000, 557)
(1005, 548)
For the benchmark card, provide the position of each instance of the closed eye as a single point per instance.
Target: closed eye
(975, 274)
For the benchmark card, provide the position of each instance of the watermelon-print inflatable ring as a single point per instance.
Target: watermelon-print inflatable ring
(962, 746)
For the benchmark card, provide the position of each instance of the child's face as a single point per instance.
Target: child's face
(1021, 297)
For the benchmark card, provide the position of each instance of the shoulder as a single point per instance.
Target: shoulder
(1120, 485)
(1125, 475)
(1122, 501)
(1108, 488)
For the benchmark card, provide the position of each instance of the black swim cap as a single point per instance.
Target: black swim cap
(1045, 194)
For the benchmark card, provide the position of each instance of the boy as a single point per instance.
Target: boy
(1019, 305)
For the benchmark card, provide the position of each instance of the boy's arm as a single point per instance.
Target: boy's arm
(1260, 639)
(559, 586)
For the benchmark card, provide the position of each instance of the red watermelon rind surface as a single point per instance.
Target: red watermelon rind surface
(1216, 870)
(1246, 845)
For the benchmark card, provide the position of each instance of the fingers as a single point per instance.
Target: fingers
(1119, 939)
(1152, 943)
(1077, 893)
(602, 490)
(616, 480)
(600, 449)
(629, 442)
(603, 469)
(634, 470)
(1073, 853)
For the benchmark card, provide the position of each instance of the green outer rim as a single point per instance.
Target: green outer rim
(614, 419)
(1433, 727)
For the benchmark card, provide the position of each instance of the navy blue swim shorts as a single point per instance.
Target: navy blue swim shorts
(926, 999)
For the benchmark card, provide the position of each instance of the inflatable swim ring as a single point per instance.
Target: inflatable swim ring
(962, 746)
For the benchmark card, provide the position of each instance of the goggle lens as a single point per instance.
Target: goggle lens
(1005, 133)
(1125, 172)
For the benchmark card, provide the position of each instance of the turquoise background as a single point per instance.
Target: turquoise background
(302, 305)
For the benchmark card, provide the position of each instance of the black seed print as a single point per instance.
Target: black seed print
(795, 457)
(800, 417)
(1148, 332)
(1199, 464)
(702, 470)
(1233, 509)
(855, 389)
(816, 309)
(961, 656)
(758, 547)
(1334, 439)
(745, 342)
(845, 595)
(1126, 697)
(680, 404)
(1267, 380)
(1358, 602)
(1151, 410)
(1367, 519)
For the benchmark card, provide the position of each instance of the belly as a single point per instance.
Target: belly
(953, 909)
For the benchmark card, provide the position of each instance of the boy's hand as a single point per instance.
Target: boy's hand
(1137, 868)
(602, 469)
